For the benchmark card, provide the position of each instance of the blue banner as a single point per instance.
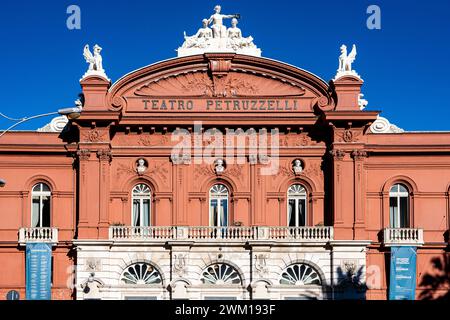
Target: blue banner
(38, 271)
(403, 273)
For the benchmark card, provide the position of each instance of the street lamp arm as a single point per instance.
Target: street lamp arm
(9, 118)
(20, 121)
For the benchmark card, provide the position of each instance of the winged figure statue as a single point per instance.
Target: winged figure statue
(346, 60)
(95, 60)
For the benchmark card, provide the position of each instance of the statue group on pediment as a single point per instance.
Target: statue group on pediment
(219, 35)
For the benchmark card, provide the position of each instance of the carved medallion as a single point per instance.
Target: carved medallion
(348, 136)
(93, 136)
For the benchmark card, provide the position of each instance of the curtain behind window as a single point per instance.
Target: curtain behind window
(404, 218)
(214, 213)
(146, 212)
(136, 213)
(302, 213)
(35, 213)
(224, 214)
(291, 217)
(393, 212)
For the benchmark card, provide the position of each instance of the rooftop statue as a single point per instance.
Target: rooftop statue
(218, 38)
(95, 62)
(235, 38)
(219, 30)
(345, 63)
(200, 39)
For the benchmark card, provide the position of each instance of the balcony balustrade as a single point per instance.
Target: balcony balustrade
(38, 235)
(239, 234)
(402, 237)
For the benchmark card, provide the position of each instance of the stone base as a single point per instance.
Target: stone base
(218, 46)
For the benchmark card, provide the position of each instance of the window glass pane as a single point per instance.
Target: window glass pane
(302, 213)
(136, 213)
(146, 213)
(45, 187)
(291, 213)
(224, 213)
(394, 189)
(393, 209)
(214, 213)
(35, 213)
(45, 212)
(404, 216)
(402, 188)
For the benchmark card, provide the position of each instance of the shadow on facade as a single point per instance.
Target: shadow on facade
(350, 285)
(439, 281)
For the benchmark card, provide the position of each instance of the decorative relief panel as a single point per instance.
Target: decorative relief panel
(296, 140)
(234, 84)
(312, 170)
(234, 172)
(144, 140)
(158, 170)
(154, 141)
(348, 136)
(94, 135)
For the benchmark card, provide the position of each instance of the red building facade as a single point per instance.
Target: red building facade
(304, 200)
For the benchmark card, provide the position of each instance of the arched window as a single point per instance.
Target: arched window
(221, 274)
(40, 206)
(141, 274)
(142, 196)
(300, 274)
(297, 196)
(399, 206)
(218, 206)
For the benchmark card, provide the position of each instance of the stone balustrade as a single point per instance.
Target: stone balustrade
(38, 235)
(240, 234)
(403, 236)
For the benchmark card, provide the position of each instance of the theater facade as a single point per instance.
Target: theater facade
(221, 174)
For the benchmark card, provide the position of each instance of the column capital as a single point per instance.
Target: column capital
(84, 154)
(104, 155)
(359, 155)
(337, 154)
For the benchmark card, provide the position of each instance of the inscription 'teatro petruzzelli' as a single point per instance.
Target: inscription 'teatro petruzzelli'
(223, 105)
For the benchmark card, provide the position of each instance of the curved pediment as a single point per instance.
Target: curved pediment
(199, 84)
(223, 83)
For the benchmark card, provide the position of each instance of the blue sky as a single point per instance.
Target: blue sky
(405, 65)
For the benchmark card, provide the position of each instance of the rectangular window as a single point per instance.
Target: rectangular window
(136, 213)
(46, 212)
(302, 213)
(224, 213)
(393, 209)
(146, 213)
(404, 219)
(214, 213)
(36, 213)
(291, 213)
